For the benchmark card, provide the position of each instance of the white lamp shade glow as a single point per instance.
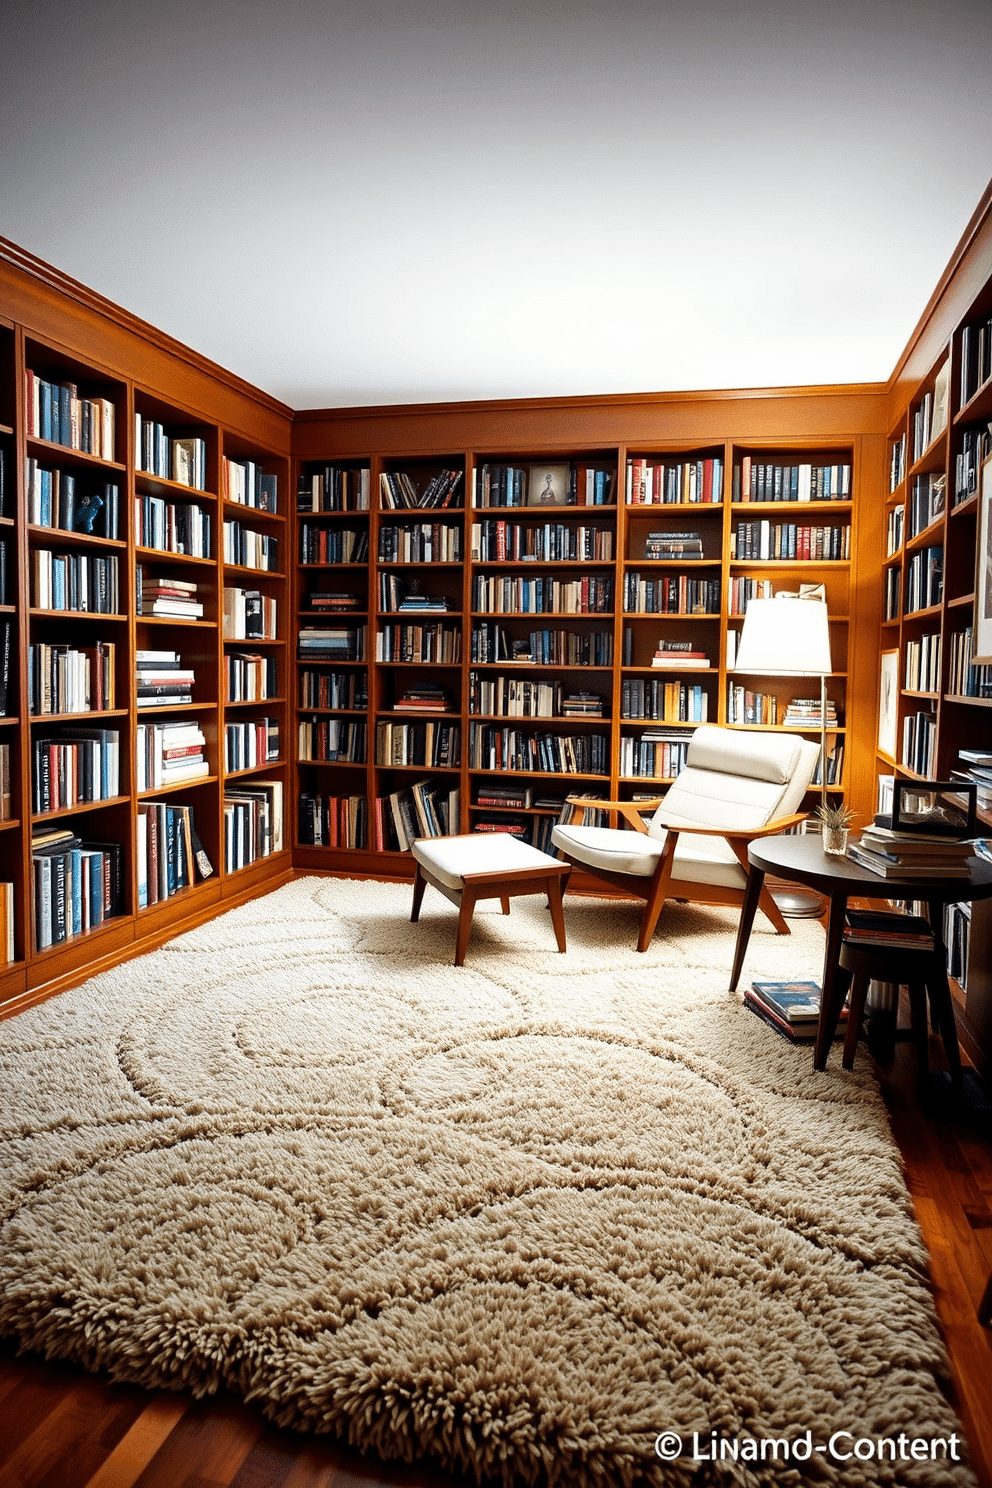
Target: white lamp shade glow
(785, 637)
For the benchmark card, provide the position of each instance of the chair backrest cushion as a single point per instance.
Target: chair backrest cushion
(737, 780)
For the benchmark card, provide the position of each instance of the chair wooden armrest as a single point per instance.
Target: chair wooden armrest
(748, 834)
(629, 810)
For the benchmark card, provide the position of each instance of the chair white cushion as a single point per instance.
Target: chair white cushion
(702, 859)
(771, 757)
(453, 859)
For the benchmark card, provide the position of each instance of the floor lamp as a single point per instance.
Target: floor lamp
(790, 637)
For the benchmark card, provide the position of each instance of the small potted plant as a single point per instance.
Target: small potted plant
(835, 820)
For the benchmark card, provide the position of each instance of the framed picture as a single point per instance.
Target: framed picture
(547, 485)
(982, 643)
(888, 703)
(934, 808)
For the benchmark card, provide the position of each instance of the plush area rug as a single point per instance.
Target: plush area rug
(520, 1217)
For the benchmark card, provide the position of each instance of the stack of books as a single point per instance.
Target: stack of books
(582, 705)
(673, 545)
(422, 699)
(337, 643)
(175, 598)
(332, 603)
(910, 855)
(679, 654)
(867, 928)
(169, 754)
(421, 603)
(977, 770)
(163, 681)
(791, 1008)
(806, 713)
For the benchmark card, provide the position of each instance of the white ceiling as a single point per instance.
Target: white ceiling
(374, 202)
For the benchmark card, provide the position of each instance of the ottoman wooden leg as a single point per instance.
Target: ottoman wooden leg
(465, 914)
(419, 885)
(554, 904)
(505, 902)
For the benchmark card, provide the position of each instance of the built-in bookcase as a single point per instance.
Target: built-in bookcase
(467, 665)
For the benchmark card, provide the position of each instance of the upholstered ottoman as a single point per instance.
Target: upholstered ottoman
(486, 865)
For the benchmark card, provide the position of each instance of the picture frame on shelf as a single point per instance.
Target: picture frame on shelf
(982, 621)
(888, 703)
(547, 485)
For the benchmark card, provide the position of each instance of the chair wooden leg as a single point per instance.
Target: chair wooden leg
(658, 893)
(419, 885)
(772, 911)
(855, 1013)
(554, 904)
(465, 914)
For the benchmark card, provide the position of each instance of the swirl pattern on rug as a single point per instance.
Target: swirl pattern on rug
(520, 1216)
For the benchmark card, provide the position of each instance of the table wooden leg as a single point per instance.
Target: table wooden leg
(942, 1003)
(832, 989)
(752, 894)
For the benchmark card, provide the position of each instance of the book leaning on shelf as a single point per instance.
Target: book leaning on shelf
(170, 855)
(76, 885)
(425, 809)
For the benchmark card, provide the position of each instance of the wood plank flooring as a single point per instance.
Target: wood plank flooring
(63, 1428)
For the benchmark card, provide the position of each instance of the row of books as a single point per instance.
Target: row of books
(929, 417)
(925, 503)
(248, 615)
(741, 590)
(921, 666)
(744, 705)
(73, 766)
(60, 499)
(325, 689)
(964, 679)
(658, 701)
(976, 357)
(85, 582)
(332, 739)
(893, 592)
(763, 480)
(517, 595)
(245, 482)
(250, 678)
(333, 545)
(660, 482)
(894, 528)
(172, 526)
(253, 823)
(333, 643)
(420, 542)
(653, 755)
(399, 491)
(534, 830)
(62, 679)
(497, 541)
(670, 594)
(76, 885)
(6, 575)
(431, 742)
(425, 809)
(334, 488)
(332, 821)
(897, 462)
(919, 737)
(179, 458)
(544, 485)
(519, 697)
(6, 787)
(491, 747)
(170, 856)
(493, 643)
(976, 446)
(8, 950)
(167, 753)
(787, 541)
(251, 743)
(250, 549)
(419, 643)
(395, 594)
(56, 412)
(6, 664)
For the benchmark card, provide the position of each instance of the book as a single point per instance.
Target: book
(921, 867)
(903, 931)
(796, 1002)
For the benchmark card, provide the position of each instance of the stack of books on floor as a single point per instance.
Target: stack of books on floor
(867, 928)
(163, 681)
(169, 754)
(791, 1008)
(893, 854)
(170, 854)
(77, 885)
(175, 598)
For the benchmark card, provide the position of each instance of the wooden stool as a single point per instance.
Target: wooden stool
(923, 972)
(486, 865)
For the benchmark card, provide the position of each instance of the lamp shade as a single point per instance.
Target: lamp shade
(785, 637)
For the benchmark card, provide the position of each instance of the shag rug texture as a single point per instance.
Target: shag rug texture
(518, 1218)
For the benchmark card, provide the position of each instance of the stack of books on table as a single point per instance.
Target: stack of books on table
(893, 854)
(867, 928)
(169, 753)
(679, 654)
(791, 1008)
(163, 682)
(175, 598)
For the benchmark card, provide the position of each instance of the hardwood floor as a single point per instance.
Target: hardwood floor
(63, 1428)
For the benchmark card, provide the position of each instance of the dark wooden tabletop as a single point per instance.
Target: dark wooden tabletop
(803, 859)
